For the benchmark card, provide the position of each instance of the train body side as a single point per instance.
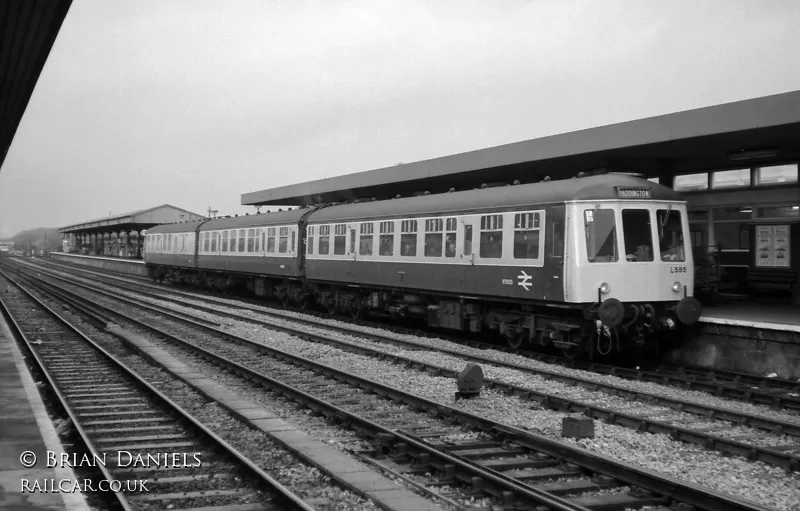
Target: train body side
(235, 246)
(464, 273)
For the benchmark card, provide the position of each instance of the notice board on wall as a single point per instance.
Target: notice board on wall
(772, 246)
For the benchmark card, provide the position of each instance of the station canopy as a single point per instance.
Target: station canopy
(29, 29)
(760, 131)
(134, 221)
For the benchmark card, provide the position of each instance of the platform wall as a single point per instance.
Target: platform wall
(746, 349)
(132, 267)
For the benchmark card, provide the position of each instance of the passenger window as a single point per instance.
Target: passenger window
(242, 240)
(225, 241)
(637, 235)
(433, 237)
(366, 239)
(232, 247)
(352, 241)
(283, 240)
(214, 242)
(251, 240)
(206, 242)
(491, 237)
(258, 239)
(450, 237)
(271, 240)
(526, 236)
(339, 239)
(310, 240)
(601, 235)
(408, 238)
(386, 239)
(670, 235)
(324, 239)
(291, 247)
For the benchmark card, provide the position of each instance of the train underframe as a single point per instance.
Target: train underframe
(577, 330)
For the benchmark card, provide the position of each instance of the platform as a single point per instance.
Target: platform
(130, 266)
(767, 316)
(748, 337)
(26, 426)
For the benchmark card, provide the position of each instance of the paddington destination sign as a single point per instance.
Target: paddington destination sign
(633, 193)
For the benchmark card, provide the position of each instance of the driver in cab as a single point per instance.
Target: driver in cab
(643, 254)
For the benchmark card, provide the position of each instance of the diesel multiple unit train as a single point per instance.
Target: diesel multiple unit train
(590, 264)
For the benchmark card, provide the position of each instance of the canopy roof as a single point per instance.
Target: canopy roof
(761, 130)
(599, 188)
(136, 220)
(29, 29)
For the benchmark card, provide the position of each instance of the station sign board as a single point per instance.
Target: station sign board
(633, 192)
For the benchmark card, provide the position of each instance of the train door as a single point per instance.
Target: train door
(467, 249)
(554, 253)
(352, 251)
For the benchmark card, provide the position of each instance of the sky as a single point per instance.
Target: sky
(194, 102)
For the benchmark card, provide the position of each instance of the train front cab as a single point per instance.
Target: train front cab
(632, 267)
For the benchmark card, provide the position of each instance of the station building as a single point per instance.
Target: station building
(736, 164)
(120, 235)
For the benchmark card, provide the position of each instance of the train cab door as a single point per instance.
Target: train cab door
(554, 253)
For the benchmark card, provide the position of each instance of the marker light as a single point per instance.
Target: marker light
(676, 287)
(604, 288)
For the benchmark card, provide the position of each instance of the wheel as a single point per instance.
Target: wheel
(571, 353)
(333, 308)
(356, 311)
(518, 341)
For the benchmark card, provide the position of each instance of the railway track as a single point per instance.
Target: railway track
(505, 462)
(779, 393)
(144, 450)
(711, 428)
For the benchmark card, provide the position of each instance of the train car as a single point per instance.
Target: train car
(6, 248)
(591, 264)
(259, 252)
(596, 261)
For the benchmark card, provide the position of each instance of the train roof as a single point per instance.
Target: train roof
(274, 218)
(600, 187)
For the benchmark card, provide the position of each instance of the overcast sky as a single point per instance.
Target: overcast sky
(193, 103)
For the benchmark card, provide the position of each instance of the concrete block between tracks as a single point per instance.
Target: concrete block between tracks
(400, 499)
(295, 438)
(252, 414)
(331, 457)
(240, 405)
(272, 425)
(368, 481)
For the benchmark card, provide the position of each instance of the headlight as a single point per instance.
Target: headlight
(676, 287)
(604, 288)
